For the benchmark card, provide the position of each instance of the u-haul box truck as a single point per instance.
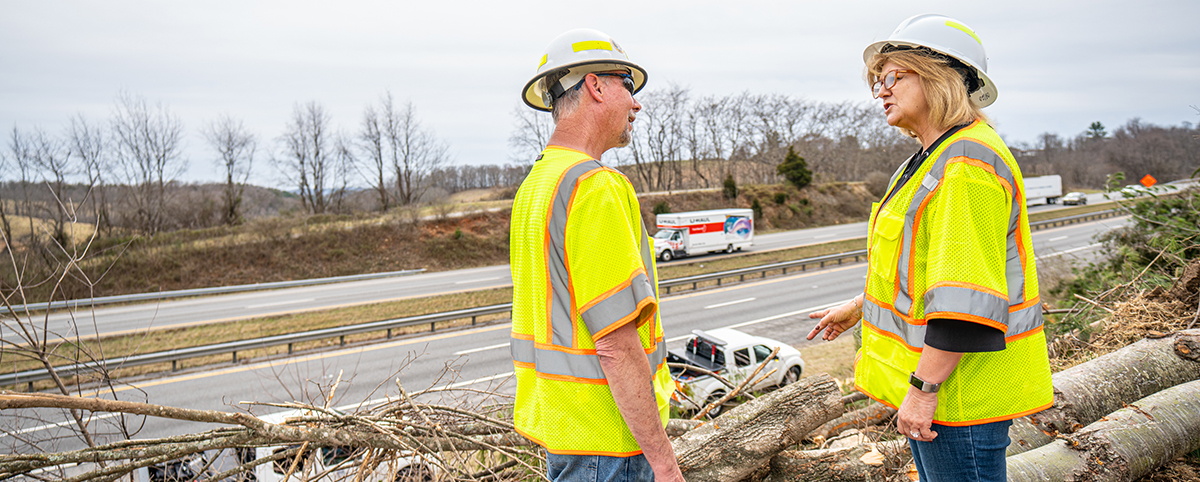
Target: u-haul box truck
(698, 232)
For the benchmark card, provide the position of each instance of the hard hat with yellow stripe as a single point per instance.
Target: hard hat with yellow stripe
(945, 36)
(582, 51)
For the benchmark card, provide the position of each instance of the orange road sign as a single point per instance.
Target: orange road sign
(1148, 180)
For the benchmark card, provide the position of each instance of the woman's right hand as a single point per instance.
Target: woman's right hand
(836, 320)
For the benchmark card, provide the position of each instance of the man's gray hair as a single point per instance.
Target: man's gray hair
(565, 104)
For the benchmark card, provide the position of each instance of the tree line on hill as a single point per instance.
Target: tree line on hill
(123, 172)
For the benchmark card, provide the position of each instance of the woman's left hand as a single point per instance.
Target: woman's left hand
(915, 417)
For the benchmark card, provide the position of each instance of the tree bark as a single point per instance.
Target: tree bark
(1088, 391)
(838, 465)
(873, 414)
(1123, 446)
(742, 440)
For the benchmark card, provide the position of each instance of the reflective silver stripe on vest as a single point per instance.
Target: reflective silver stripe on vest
(884, 319)
(555, 362)
(603, 314)
(1023, 320)
(561, 309)
(953, 299)
(959, 148)
(562, 313)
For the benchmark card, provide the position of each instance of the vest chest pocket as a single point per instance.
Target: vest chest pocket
(885, 244)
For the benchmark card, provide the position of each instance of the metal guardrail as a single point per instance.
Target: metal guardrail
(219, 290)
(1078, 218)
(802, 264)
(173, 356)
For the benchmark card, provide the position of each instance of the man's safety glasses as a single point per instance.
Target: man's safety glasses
(626, 80)
(888, 81)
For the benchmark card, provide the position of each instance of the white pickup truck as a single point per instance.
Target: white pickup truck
(733, 355)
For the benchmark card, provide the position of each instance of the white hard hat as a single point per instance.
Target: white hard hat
(946, 36)
(583, 51)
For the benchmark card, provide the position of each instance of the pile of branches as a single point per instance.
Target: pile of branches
(452, 443)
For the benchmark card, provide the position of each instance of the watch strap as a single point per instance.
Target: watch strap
(922, 385)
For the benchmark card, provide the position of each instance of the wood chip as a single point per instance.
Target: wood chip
(874, 457)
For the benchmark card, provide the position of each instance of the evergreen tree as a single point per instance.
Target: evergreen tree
(731, 190)
(1096, 131)
(794, 169)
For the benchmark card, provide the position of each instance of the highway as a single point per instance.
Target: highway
(479, 357)
(135, 318)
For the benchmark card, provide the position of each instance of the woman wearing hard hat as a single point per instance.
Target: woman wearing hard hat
(952, 323)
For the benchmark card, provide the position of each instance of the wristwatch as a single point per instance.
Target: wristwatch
(923, 385)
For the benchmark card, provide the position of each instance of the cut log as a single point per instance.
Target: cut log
(840, 465)
(745, 438)
(1122, 446)
(873, 414)
(1086, 392)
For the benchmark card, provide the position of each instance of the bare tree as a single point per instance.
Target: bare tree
(89, 143)
(531, 134)
(308, 155)
(235, 146)
(5, 225)
(374, 166)
(413, 151)
(149, 142)
(23, 157)
(54, 165)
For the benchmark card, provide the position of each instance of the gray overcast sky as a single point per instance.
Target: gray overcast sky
(1058, 65)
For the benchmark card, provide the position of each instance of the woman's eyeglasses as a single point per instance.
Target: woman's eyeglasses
(888, 81)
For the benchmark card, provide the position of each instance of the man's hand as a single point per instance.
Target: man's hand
(629, 372)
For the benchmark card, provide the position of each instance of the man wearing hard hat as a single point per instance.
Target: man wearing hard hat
(587, 341)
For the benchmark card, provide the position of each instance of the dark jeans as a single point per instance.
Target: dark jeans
(598, 468)
(973, 453)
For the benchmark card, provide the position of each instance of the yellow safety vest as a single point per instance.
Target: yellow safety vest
(953, 242)
(582, 265)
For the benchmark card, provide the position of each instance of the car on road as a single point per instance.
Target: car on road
(1134, 190)
(1074, 198)
(733, 355)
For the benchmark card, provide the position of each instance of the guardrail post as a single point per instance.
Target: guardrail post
(839, 261)
(693, 286)
(235, 357)
(804, 267)
(389, 335)
(742, 278)
(472, 321)
(785, 270)
(342, 340)
(822, 264)
(30, 387)
(718, 281)
(856, 258)
(432, 327)
(289, 348)
(174, 365)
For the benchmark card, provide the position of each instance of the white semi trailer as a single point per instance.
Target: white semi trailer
(698, 232)
(1043, 189)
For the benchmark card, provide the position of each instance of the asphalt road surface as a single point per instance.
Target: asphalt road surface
(479, 357)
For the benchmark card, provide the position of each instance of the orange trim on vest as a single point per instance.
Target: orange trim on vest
(576, 452)
(563, 349)
(522, 336)
(907, 319)
(891, 335)
(604, 296)
(970, 286)
(1027, 304)
(982, 165)
(993, 419)
(546, 241)
(568, 378)
(625, 319)
(1020, 336)
(953, 315)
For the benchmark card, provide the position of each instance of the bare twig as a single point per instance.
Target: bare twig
(735, 391)
(1093, 303)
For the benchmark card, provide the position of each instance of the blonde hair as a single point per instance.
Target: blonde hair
(949, 104)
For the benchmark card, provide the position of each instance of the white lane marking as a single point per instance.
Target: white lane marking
(473, 350)
(354, 407)
(1069, 251)
(769, 318)
(727, 303)
(476, 280)
(824, 236)
(278, 303)
(55, 425)
(1059, 238)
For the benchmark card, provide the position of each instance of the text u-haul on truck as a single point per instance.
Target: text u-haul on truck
(698, 232)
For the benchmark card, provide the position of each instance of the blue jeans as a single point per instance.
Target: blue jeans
(598, 468)
(973, 453)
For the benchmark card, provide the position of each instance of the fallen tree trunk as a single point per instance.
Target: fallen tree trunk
(1124, 445)
(873, 414)
(1086, 392)
(861, 463)
(740, 441)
